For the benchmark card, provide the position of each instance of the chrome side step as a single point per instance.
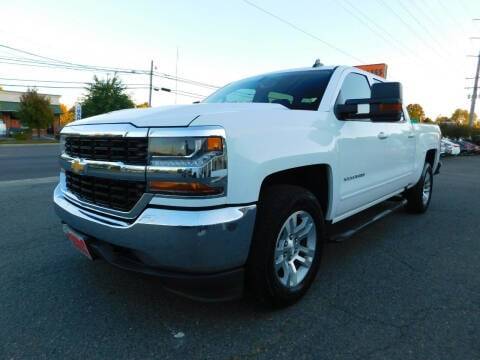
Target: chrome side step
(345, 229)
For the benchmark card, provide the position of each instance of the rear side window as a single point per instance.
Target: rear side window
(355, 86)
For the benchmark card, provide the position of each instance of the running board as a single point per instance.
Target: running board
(345, 229)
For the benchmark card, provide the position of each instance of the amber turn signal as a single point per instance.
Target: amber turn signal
(389, 107)
(214, 143)
(183, 188)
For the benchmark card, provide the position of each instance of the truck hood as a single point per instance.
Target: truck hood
(175, 115)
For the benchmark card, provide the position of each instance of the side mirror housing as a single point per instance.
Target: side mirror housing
(385, 104)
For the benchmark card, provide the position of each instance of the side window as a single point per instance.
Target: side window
(240, 95)
(355, 86)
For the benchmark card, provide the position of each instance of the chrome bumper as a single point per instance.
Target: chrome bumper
(192, 241)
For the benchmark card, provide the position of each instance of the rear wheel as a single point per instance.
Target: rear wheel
(418, 197)
(287, 245)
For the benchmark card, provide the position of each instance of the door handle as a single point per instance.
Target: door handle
(382, 136)
(411, 135)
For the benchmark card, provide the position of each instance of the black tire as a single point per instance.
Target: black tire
(416, 203)
(276, 205)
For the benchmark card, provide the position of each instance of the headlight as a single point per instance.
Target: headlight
(187, 166)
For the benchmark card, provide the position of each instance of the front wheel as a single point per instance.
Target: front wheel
(287, 245)
(419, 196)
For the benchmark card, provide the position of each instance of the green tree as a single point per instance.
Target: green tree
(461, 116)
(142, 105)
(67, 116)
(104, 96)
(35, 110)
(415, 111)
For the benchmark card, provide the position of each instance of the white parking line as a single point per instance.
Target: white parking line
(24, 182)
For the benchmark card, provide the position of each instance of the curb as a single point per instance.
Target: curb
(24, 182)
(28, 144)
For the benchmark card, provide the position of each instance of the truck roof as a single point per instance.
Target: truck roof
(333, 67)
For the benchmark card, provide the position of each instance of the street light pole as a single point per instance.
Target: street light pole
(151, 80)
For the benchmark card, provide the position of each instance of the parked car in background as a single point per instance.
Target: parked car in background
(476, 148)
(451, 148)
(468, 147)
(463, 148)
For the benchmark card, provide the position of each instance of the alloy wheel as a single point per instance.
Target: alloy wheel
(295, 249)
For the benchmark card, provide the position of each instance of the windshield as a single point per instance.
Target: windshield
(298, 90)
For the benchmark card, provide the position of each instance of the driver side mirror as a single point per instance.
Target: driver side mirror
(385, 104)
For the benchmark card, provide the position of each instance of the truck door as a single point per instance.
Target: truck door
(400, 152)
(363, 158)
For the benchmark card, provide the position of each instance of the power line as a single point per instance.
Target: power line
(64, 87)
(380, 31)
(48, 62)
(183, 93)
(449, 15)
(408, 26)
(51, 66)
(419, 23)
(361, 20)
(43, 63)
(61, 81)
(183, 80)
(292, 25)
(91, 67)
(179, 92)
(425, 13)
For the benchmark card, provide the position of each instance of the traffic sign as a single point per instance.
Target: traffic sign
(78, 111)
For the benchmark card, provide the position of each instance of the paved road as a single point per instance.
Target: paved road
(408, 287)
(28, 161)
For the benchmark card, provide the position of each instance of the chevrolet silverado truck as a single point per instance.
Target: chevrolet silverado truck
(240, 191)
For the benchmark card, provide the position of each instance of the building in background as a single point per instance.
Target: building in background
(10, 104)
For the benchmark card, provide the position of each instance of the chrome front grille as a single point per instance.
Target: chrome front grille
(114, 194)
(128, 150)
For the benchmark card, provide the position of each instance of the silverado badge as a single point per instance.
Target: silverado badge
(77, 167)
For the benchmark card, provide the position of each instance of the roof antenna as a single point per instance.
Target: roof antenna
(317, 63)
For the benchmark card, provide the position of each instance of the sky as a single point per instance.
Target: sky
(425, 43)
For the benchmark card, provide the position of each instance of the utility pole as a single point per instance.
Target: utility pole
(475, 88)
(176, 77)
(151, 80)
(474, 95)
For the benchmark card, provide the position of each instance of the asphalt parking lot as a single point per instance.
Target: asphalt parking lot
(28, 161)
(408, 287)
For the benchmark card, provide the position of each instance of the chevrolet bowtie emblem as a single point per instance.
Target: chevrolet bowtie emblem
(77, 167)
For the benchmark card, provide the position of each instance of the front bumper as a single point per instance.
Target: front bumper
(173, 244)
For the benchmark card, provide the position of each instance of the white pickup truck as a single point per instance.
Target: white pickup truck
(242, 188)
